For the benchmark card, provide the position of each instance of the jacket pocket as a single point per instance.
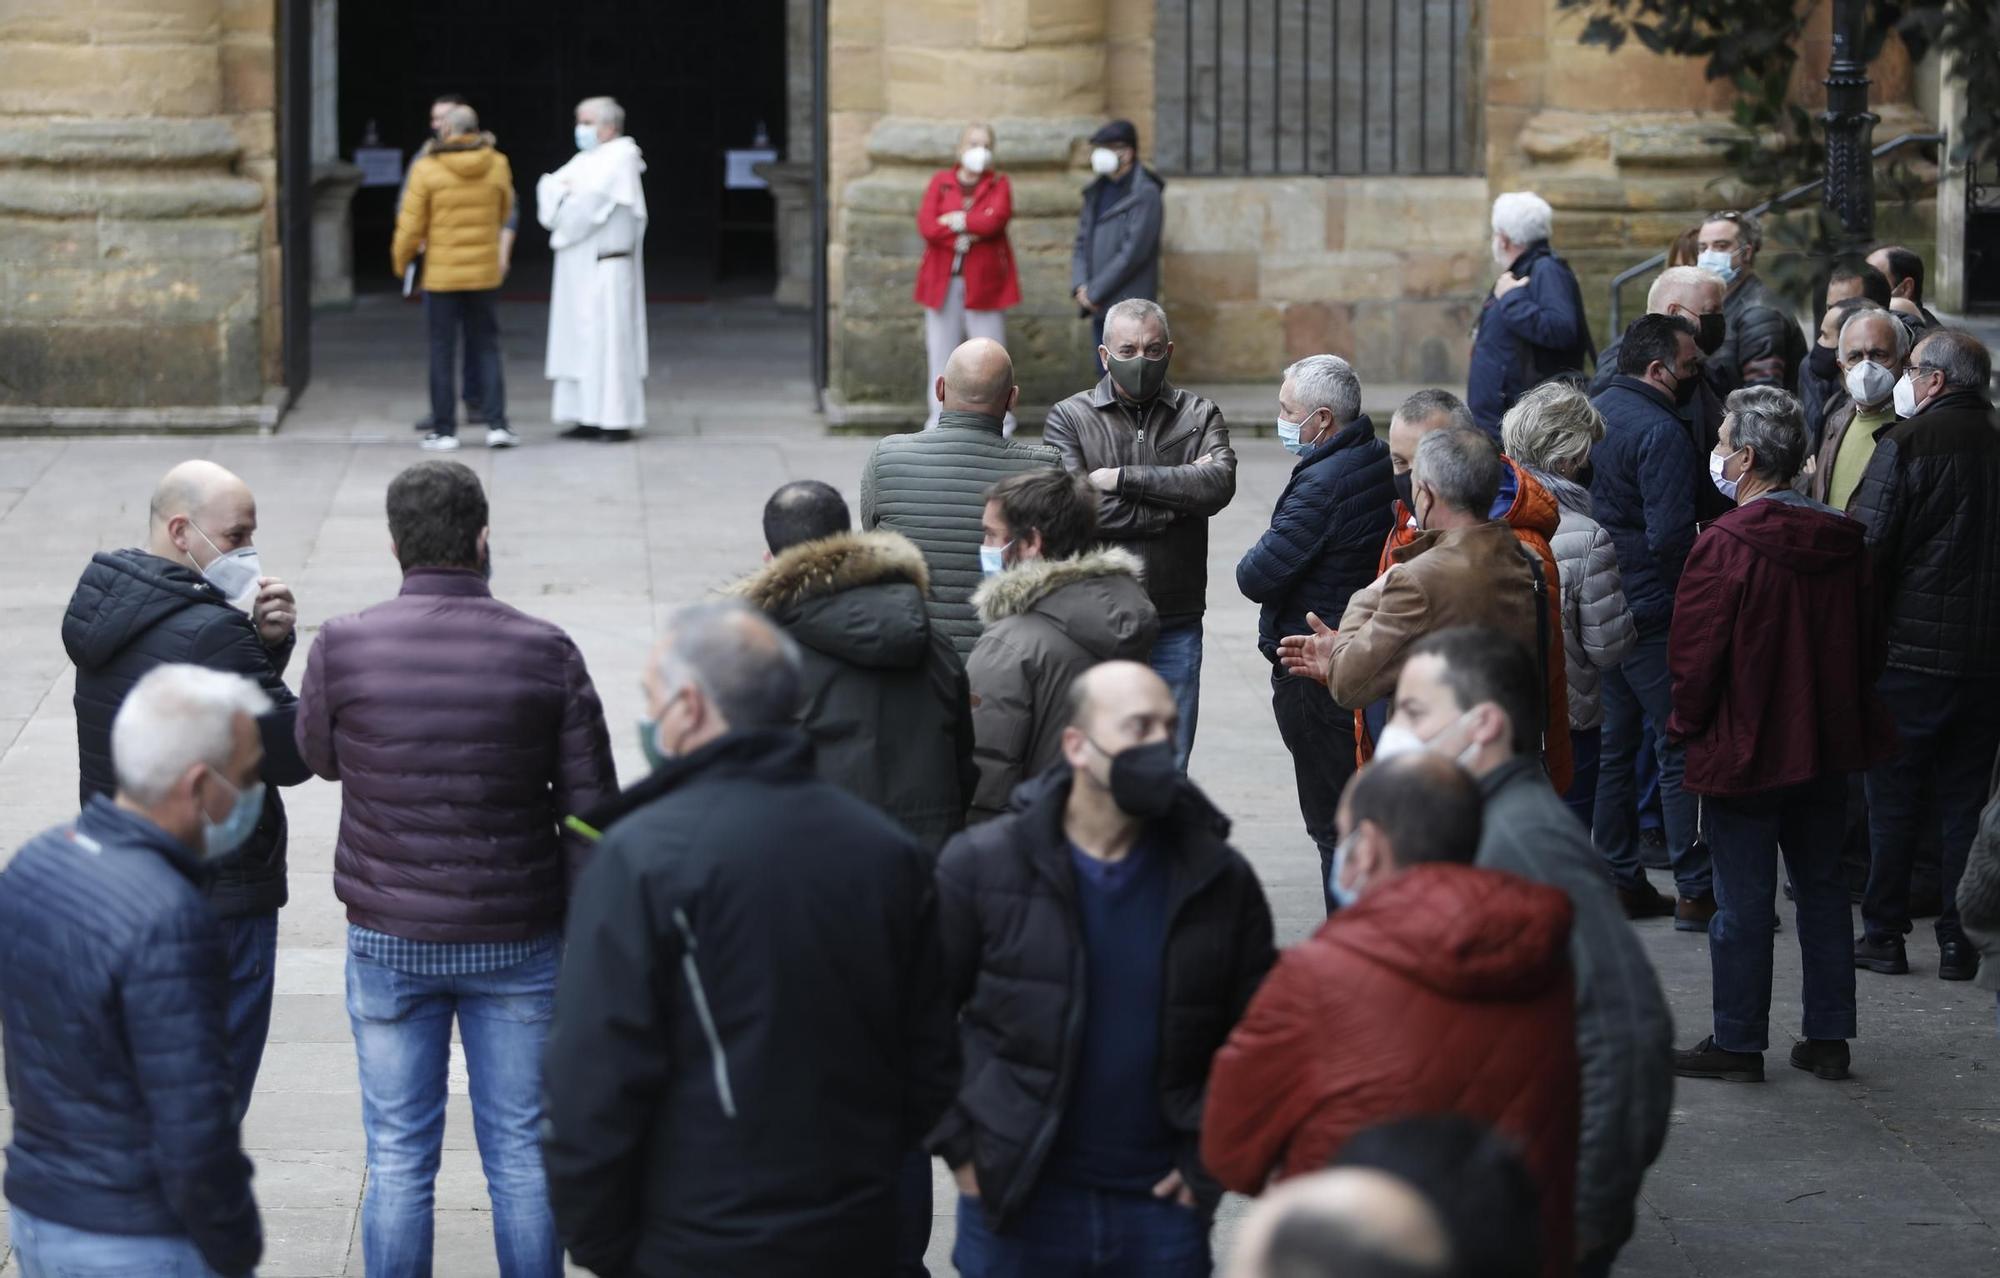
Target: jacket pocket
(692, 972)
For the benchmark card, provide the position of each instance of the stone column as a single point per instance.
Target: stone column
(129, 231)
(334, 181)
(1946, 288)
(1038, 71)
(791, 177)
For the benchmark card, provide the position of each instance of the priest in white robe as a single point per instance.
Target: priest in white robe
(595, 210)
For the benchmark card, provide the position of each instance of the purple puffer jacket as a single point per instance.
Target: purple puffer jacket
(462, 731)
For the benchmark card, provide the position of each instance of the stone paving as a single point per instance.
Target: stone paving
(1896, 1171)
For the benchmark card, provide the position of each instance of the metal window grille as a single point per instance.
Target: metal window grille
(1315, 87)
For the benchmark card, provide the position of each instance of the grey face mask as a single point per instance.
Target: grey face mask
(1139, 377)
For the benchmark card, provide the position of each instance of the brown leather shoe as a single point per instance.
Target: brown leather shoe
(1692, 913)
(1644, 902)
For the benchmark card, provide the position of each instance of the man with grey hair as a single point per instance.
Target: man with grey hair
(1532, 327)
(754, 971)
(1931, 500)
(594, 208)
(1873, 347)
(1160, 459)
(1321, 547)
(126, 1155)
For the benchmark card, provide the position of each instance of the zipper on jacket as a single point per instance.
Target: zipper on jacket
(692, 972)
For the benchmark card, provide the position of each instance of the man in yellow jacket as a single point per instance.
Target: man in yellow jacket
(457, 201)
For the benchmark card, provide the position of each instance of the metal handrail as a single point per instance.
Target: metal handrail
(1785, 200)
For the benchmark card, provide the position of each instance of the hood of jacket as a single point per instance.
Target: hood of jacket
(1470, 934)
(1097, 598)
(467, 157)
(858, 597)
(1531, 507)
(1805, 538)
(122, 594)
(1567, 493)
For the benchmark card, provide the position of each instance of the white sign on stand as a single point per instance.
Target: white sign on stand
(739, 172)
(379, 165)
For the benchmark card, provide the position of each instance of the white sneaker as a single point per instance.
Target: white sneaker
(436, 443)
(501, 437)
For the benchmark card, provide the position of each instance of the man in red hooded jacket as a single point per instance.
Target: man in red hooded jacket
(1437, 988)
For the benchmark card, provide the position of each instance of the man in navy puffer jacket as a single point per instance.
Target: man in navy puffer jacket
(126, 1157)
(1321, 547)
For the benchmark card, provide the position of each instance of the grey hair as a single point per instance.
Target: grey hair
(1431, 402)
(1896, 326)
(1682, 277)
(1141, 309)
(1523, 217)
(1961, 357)
(1326, 381)
(746, 667)
(1772, 424)
(460, 120)
(174, 718)
(607, 111)
(1461, 467)
(1552, 428)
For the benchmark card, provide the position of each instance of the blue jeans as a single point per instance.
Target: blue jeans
(1647, 778)
(402, 1036)
(1584, 744)
(1177, 659)
(1634, 691)
(1947, 731)
(1066, 1232)
(49, 1250)
(1746, 836)
(444, 315)
(252, 940)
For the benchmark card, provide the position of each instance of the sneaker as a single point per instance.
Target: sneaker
(1823, 1057)
(1884, 954)
(582, 432)
(501, 437)
(1653, 849)
(1957, 961)
(436, 443)
(1706, 1060)
(1692, 913)
(1644, 902)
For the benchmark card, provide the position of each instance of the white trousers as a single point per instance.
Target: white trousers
(945, 327)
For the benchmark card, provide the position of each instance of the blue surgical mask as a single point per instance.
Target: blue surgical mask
(1343, 896)
(586, 137)
(221, 838)
(993, 560)
(1723, 264)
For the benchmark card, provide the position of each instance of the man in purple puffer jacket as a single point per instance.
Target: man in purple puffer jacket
(463, 731)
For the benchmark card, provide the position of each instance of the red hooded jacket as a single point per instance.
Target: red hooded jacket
(1446, 989)
(1775, 649)
(991, 283)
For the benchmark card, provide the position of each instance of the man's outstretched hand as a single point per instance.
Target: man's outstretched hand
(1309, 656)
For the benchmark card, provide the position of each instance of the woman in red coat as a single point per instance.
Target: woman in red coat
(966, 281)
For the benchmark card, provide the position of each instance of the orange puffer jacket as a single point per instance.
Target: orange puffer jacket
(457, 200)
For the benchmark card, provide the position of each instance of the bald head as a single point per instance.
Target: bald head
(978, 378)
(1347, 1223)
(1113, 707)
(200, 510)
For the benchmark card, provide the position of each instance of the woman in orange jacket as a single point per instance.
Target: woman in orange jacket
(967, 279)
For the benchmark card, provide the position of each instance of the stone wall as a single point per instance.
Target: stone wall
(138, 250)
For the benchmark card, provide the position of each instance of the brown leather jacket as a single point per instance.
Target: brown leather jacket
(1478, 576)
(1160, 511)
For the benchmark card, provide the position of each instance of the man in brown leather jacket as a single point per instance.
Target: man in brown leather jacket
(1160, 460)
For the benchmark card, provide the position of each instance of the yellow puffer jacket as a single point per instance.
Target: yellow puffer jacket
(458, 197)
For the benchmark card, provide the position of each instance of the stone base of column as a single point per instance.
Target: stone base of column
(791, 192)
(334, 183)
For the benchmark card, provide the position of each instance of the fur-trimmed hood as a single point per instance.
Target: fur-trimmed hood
(858, 597)
(1097, 598)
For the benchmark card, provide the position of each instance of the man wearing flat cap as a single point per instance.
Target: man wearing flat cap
(1118, 234)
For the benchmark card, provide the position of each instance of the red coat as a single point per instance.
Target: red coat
(1775, 649)
(990, 281)
(1446, 989)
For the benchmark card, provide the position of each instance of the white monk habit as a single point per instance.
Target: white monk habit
(595, 210)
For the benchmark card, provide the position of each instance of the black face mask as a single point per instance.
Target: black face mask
(1824, 363)
(1405, 493)
(1713, 329)
(1145, 780)
(1685, 388)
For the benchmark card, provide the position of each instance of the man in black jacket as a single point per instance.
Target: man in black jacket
(1763, 345)
(1323, 545)
(196, 594)
(1100, 941)
(126, 1156)
(750, 1029)
(1931, 500)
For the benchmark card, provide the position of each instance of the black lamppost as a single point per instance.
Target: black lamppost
(1850, 130)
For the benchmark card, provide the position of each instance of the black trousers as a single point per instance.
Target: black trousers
(1320, 736)
(473, 311)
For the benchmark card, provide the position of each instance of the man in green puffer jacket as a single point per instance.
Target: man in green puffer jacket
(931, 486)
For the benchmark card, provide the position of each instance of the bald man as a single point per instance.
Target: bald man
(1351, 1220)
(931, 486)
(196, 593)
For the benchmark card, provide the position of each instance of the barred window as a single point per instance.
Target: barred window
(1316, 87)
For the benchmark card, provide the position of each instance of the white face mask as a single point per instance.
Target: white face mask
(976, 159)
(1103, 161)
(1343, 896)
(235, 573)
(993, 560)
(1716, 463)
(586, 137)
(1869, 383)
(1723, 264)
(1501, 257)
(1905, 396)
(1397, 739)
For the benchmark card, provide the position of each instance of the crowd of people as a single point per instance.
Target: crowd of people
(917, 868)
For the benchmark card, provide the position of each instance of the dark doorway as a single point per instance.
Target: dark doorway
(696, 79)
